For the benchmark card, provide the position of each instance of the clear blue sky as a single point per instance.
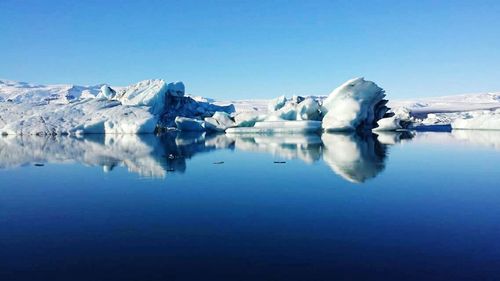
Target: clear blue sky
(252, 49)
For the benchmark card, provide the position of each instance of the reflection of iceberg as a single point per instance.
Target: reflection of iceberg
(287, 146)
(354, 157)
(484, 138)
(393, 137)
(146, 155)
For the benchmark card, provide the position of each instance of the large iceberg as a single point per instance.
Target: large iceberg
(144, 107)
(356, 104)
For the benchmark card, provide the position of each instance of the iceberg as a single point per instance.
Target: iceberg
(308, 109)
(479, 120)
(144, 107)
(220, 121)
(356, 104)
(150, 93)
(189, 124)
(399, 121)
(276, 103)
(247, 119)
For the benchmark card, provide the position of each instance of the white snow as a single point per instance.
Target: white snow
(21, 92)
(455, 103)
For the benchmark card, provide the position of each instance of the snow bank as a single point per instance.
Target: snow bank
(22, 92)
(448, 104)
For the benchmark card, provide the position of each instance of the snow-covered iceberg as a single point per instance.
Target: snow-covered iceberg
(145, 107)
(356, 104)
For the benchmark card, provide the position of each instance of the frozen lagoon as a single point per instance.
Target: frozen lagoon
(342, 206)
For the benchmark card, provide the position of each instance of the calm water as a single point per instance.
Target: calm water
(300, 207)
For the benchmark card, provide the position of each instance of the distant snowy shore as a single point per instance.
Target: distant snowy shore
(151, 105)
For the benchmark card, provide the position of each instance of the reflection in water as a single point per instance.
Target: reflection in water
(287, 146)
(146, 155)
(355, 157)
(490, 139)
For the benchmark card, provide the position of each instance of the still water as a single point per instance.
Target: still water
(407, 206)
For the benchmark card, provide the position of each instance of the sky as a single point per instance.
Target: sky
(256, 49)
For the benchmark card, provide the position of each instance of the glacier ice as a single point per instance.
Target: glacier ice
(144, 107)
(247, 119)
(481, 120)
(308, 109)
(176, 89)
(189, 124)
(400, 120)
(276, 103)
(355, 104)
(106, 93)
(220, 121)
(22, 92)
(150, 93)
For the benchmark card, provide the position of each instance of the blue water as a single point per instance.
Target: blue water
(422, 206)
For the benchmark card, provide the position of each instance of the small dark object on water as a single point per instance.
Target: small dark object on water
(279, 162)
(39, 165)
(170, 170)
(219, 162)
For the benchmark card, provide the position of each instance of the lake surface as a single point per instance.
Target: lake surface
(422, 206)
